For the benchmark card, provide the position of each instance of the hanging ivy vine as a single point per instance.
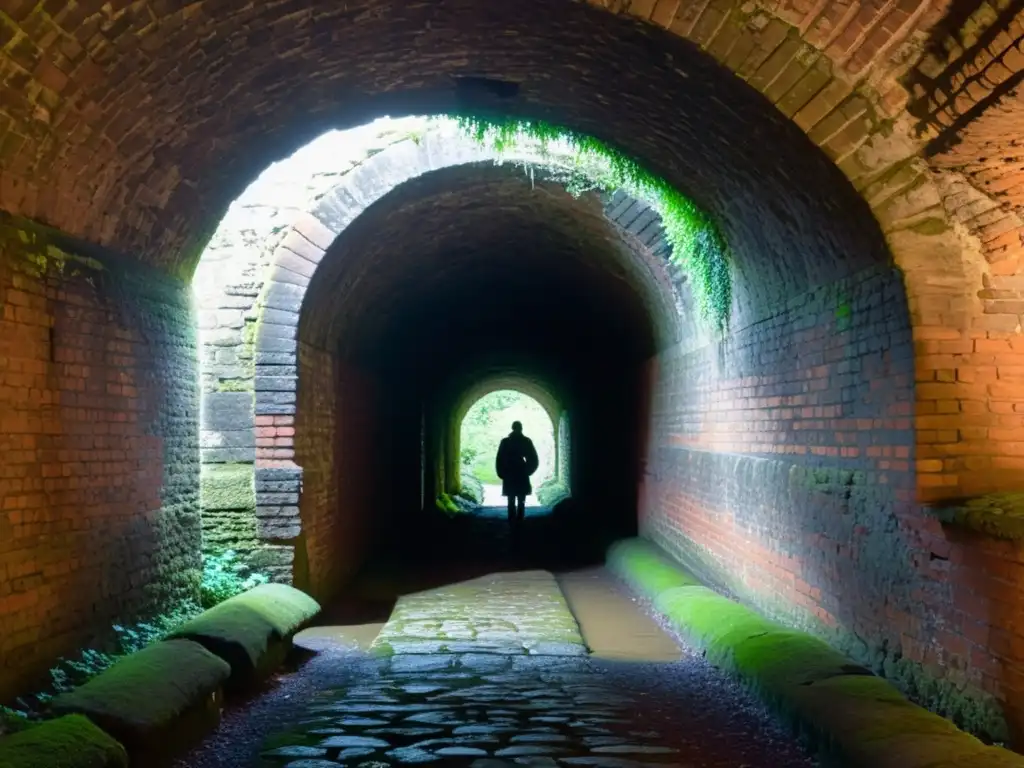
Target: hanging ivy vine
(583, 163)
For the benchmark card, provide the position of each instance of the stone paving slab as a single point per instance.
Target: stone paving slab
(477, 710)
(520, 613)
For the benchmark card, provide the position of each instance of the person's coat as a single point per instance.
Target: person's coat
(516, 461)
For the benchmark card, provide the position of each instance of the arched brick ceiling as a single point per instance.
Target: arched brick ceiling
(133, 124)
(481, 255)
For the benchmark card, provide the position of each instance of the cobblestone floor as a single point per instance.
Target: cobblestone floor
(496, 671)
(481, 710)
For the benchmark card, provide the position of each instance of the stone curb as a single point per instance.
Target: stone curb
(851, 716)
(71, 741)
(252, 631)
(167, 696)
(169, 692)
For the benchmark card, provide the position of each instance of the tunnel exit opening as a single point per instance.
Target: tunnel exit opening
(481, 430)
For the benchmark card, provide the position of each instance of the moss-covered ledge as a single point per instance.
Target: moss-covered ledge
(851, 716)
(1000, 515)
(65, 742)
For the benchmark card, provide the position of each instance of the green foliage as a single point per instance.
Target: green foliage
(551, 492)
(70, 673)
(484, 409)
(471, 487)
(469, 455)
(13, 720)
(490, 419)
(697, 245)
(225, 576)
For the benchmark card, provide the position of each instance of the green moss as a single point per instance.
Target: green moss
(235, 385)
(782, 658)
(67, 742)
(711, 621)
(149, 689)
(286, 609)
(644, 568)
(847, 710)
(970, 708)
(445, 504)
(249, 335)
(234, 632)
(998, 514)
(227, 486)
(871, 723)
(696, 242)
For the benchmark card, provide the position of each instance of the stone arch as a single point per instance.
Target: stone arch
(278, 479)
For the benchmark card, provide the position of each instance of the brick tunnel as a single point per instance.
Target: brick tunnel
(837, 451)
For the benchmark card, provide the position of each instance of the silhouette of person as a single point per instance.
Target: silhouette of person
(516, 461)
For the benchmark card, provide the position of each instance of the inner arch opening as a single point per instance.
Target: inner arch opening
(487, 421)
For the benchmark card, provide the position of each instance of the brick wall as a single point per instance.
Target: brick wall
(98, 449)
(335, 416)
(781, 468)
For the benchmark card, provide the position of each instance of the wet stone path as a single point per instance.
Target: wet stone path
(481, 710)
(495, 672)
(506, 613)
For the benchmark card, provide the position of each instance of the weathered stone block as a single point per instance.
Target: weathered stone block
(284, 297)
(227, 455)
(278, 486)
(274, 409)
(276, 358)
(275, 330)
(227, 486)
(278, 474)
(276, 498)
(238, 438)
(235, 301)
(230, 318)
(234, 529)
(266, 342)
(227, 411)
(272, 398)
(222, 337)
(268, 557)
(279, 529)
(284, 317)
(281, 512)
(278, 383)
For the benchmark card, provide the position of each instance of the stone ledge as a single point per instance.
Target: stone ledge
(168, 693)
(846, 712)
(1000, 515)
(65, 742)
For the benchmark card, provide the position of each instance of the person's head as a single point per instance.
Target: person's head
(517, 427)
